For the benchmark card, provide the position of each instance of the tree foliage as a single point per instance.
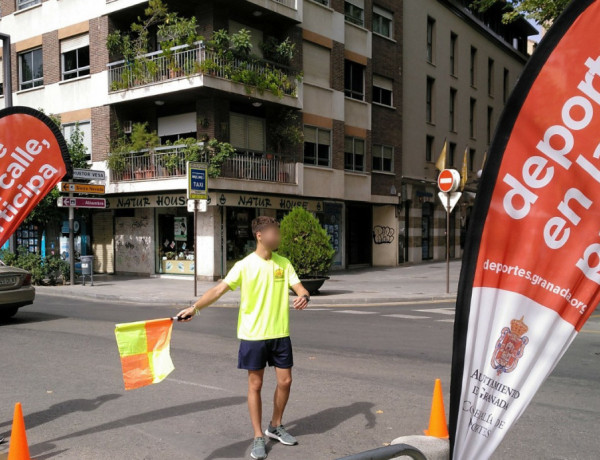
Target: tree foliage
(305, 243)
(544, 12)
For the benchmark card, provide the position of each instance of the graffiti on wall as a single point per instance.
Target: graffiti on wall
(133, 244)
(383, 235)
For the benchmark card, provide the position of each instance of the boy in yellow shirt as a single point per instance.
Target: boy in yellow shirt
(263, 325)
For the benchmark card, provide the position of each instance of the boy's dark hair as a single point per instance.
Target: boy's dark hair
(262, 222)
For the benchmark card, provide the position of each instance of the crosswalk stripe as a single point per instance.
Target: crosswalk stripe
(445, 320)
(441, 311)
(406, 316)
(356, 312)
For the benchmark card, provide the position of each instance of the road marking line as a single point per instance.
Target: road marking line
(356, 312)
(595, 316)
(445, 320)
(406, 316)
(441, 311)
(185, 382)
(591, 332)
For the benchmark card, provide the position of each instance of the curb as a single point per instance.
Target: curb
(359, 301)
(433, 448)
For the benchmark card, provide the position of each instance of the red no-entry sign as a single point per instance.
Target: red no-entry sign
(448, 180)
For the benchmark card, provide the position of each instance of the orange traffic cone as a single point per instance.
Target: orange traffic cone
(18, 450)
(437, 420)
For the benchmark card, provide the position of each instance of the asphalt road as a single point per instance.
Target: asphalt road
(362, 376)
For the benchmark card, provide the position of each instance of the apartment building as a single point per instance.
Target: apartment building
(459, 67)
(341, 89)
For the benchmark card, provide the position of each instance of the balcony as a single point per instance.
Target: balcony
(261, 78)
(170, 162)
(287, 8)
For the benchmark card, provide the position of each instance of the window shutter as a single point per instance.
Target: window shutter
(73, 43)
(382, 82)
(256, 134)
(318, 64)
(237, 130)
(324, 137)
(310, 134)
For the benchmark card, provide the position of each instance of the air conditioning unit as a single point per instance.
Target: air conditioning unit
(127, 126)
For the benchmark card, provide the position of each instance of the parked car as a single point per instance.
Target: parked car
(16, 290)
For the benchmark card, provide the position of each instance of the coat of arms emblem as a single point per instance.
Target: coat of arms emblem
(510, 346)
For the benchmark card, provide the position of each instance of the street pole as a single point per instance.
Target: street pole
(71, 241)
(448, 244)
(6, 68)
(195, 248)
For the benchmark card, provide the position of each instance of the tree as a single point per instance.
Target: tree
(544, 12)
(305, 243)
(46, 210)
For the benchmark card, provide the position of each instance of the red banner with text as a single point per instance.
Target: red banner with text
(33, 159)
(531, 269)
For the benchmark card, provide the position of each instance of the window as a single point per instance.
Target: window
(354, 12)
(429, 148)
(451, 154)
(75, 57)
(317, 146)
(490, 114)
(22, 4)
(472, 109)
(430, 39)
(354, 154)
(322, 2)
(1, 79)
(319, 72)
(473, 68)
(31, 69)
(383, 158)
(85, 130)
(490, 83)
(382, 90)
(383, 22)
(505, 85)
(429, 100)
(247, 133)
(472, 155)
(453, 57)
(354, 80)
(452, 110)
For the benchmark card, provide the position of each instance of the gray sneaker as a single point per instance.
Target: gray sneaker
(258, 449)
(279, 433)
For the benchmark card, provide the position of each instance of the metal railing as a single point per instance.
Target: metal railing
(388, 452)
(170, 161)
(187, 61)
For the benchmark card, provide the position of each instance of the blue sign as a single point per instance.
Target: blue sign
(197, 181)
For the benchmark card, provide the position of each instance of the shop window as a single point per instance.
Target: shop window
(175, 230)
(240, 241)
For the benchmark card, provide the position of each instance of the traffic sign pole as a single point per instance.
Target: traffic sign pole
(195, 248)
(72, 242)
(448, 245)
(448, 182)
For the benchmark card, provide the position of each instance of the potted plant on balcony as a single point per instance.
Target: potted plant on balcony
(216, 154)
(308, 247)
(144, 140)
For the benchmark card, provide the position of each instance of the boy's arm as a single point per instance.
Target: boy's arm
(300, 302)
(208, 298)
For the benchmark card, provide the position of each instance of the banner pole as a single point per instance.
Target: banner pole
(448, 243)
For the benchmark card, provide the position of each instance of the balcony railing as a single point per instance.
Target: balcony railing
(289, 3)
(187, 61)
(166, 162)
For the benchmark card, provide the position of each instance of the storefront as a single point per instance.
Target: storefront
(154, 234)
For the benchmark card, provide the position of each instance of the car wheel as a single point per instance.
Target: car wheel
(9, 312)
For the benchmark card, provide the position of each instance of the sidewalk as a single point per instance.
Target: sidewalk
(423, 282)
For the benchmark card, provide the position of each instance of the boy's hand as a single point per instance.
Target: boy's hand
(300, 303)
(186, 314)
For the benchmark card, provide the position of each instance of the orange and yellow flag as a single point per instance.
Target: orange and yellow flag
(144, 347)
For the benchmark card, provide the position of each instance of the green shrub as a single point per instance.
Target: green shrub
(305, 243)
(44, 270)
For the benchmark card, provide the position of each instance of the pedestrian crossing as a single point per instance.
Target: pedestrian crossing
(440, 315)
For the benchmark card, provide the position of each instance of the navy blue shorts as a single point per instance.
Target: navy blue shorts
(254, 355)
